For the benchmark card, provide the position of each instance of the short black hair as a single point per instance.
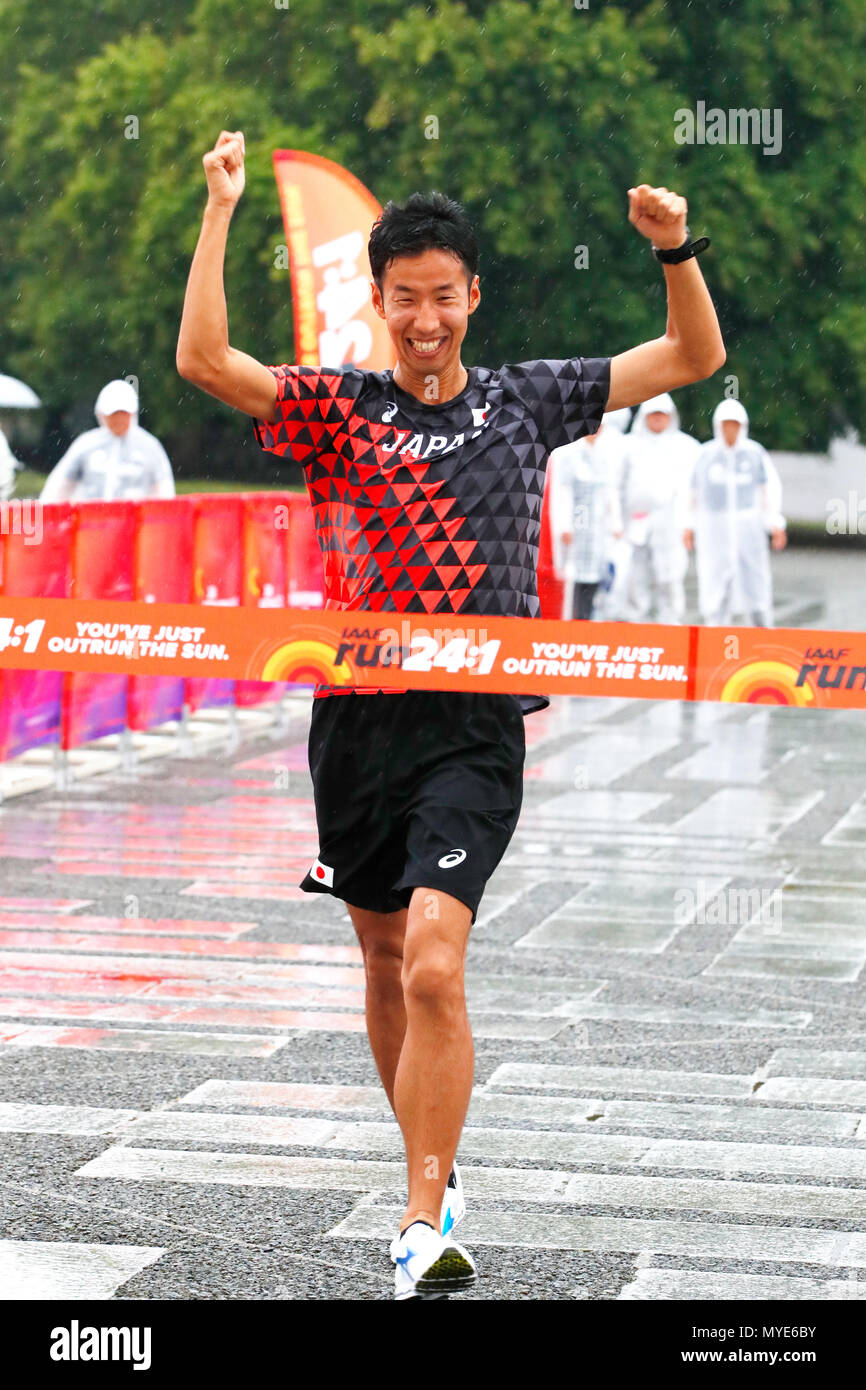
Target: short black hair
(425, 222)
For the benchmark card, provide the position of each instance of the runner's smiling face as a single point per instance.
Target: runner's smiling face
(426, 301)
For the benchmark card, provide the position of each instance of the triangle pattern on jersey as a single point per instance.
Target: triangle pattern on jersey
(441, 529)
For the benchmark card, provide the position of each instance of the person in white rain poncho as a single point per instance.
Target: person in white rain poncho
(119, 459)
(585, 514)
(735, 503)
(619, 419)
(8, 464)
(654, 483)
(610, 600)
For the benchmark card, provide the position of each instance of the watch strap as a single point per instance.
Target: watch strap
(675, 255)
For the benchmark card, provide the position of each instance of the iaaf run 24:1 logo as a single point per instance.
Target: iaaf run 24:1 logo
(452, 649)
(322, 659)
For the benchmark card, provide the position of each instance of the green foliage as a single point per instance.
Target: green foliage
(546, 115)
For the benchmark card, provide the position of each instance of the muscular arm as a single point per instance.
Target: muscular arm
(692, 346)
(204, 354)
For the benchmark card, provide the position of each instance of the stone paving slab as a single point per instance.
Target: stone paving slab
(823, 1091)
(688, 1284)
(33, 1270)
(479, 1142)
(803, 1062)
(62, 1119)
(708, 1197)
(130, 1164)
(130, 1040)
(813, 1161)
(721, 1240)
(576, 1078)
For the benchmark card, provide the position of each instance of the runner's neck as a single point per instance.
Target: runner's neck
(447, 386)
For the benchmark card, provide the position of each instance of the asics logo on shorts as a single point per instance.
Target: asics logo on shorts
(452, 859)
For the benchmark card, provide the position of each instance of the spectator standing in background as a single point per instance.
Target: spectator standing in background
(8, 464)
(585, 514)
(610, 600)
(734, 506)
(654, 495)
(119, 459)
(618, 420)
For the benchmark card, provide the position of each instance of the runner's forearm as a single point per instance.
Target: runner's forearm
(692, 325)
(203, 341)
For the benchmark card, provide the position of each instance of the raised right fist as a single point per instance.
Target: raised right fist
(224, 168)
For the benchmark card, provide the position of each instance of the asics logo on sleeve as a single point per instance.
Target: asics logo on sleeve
(388, 415)
(452, 859)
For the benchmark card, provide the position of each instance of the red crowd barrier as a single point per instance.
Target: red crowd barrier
(306, 573)
(30, 700)
(217, 576)
(103, 558)
(163, 570)
(258, 549)
(550, 588)
(267, 521)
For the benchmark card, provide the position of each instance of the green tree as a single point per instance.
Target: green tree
(537, 115)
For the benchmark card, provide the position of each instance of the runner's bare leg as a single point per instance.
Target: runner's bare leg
(381, 937)
(432, 1083)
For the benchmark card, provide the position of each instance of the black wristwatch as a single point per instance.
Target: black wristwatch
(682, 253)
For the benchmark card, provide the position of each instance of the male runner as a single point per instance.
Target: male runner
(426, 486)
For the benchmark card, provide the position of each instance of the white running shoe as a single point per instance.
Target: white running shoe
(453, 1202)
(453, 1208)
(429, 1265)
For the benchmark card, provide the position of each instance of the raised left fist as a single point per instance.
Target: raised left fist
(659, 215)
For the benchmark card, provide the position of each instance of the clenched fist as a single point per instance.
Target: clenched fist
(658, 215)
(224, 169)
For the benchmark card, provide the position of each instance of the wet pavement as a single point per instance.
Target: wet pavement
(666, 988)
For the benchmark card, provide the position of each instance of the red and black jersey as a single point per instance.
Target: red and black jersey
(432, 508)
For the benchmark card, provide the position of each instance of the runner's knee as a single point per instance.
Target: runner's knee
(433, 976)
(380, 936)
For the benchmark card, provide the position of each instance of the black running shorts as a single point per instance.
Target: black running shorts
(413, 790)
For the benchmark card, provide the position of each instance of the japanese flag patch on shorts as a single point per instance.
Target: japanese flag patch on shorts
(322, 873)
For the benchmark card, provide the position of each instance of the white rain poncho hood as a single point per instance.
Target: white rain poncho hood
(730, 410)
(117, 395)
(8, 464)
(663, 403)
(618, 419)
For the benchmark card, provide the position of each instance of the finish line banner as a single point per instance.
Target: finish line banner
(778, 666)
